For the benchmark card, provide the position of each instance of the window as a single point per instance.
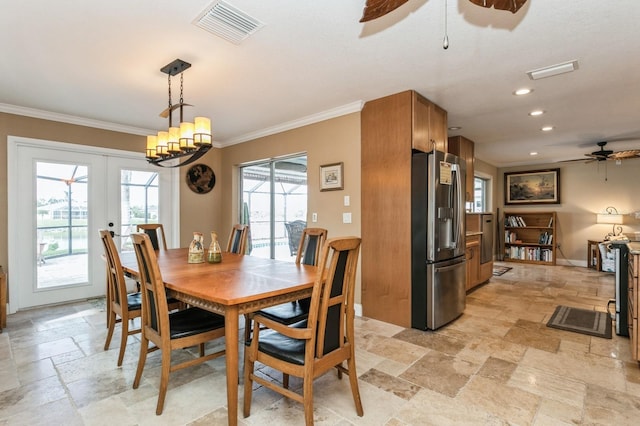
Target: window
(481, 194)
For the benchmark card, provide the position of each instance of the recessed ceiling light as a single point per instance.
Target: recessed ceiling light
(533, 153)
(455, 128)
(522, 91)
(536, 112)
(547, 128)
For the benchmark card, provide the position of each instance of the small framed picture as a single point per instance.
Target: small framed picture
(331, 177)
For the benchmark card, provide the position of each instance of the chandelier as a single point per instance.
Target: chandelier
(191, 140)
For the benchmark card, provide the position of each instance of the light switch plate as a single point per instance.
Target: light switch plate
(314, 217)
(347, 200)
(346, 217)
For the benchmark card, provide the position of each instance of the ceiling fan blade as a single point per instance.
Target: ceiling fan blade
(377, 8)
(511, 5)
(166, 112)
(620, 155)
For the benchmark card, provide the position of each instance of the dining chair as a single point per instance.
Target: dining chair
(323, 341)
(308, 253)
(169, 331)
(155, 231)
(238, 239)
(122, 306)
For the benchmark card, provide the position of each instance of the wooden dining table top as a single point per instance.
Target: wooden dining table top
(237, 280)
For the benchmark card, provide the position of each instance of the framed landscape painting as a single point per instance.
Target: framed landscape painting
(532, 187)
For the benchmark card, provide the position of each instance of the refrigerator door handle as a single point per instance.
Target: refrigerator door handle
(457, 205)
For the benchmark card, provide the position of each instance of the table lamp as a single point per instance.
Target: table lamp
(611, 217)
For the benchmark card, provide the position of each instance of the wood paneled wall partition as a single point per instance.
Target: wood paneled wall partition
(390, 127)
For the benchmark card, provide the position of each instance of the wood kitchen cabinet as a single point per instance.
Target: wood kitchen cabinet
(390, 128)
(464, 148)
(472, 255)
(429, 125)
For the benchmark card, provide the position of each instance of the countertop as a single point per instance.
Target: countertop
(634, 247)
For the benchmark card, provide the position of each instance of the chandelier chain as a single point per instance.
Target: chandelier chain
(181, 81)
(169, 85)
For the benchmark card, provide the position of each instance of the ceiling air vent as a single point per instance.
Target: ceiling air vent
(228, 22)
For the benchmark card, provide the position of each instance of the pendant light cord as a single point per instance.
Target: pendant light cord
(445, 42)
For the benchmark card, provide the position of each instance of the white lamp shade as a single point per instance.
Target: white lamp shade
(610, 219)
(202, 131)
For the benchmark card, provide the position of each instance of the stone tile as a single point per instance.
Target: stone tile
(554, 413)
(391, 384)
(505, 402)
(534, 339)
(400, 351)
(435, 341)
(608, 406)
(565, 390)
(497, 369)
(441, 373)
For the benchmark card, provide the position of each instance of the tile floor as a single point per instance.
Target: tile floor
(498, 364)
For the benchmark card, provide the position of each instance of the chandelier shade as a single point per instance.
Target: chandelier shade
(189, 141)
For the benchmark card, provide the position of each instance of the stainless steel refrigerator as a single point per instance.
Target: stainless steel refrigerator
(438, 267)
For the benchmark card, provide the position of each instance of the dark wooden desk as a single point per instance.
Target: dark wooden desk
(238, 285)
(594, 260)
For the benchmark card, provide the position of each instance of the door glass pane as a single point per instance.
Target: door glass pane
(61, 222)
(274, 193)
(138, 202)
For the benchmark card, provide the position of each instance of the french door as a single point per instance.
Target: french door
(60, 195)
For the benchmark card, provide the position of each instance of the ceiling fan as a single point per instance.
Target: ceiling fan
(603, 154)
(376, 8)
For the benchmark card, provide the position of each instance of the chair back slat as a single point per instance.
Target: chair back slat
(332, 311)
(155, 315)
(311, 242)
(115, 275)
(238, 239)
(155, 231)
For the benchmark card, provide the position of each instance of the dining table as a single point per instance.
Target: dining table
(237, 285)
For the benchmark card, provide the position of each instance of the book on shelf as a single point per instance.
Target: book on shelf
(516, 221)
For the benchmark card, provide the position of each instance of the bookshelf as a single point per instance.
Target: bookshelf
(530, 237)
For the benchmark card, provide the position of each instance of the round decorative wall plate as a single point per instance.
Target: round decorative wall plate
(200, 178)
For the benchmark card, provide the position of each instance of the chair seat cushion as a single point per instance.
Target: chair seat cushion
(281, 346)
(193, 321)
(134, 301)
(287, 313)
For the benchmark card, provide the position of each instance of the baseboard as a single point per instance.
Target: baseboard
(358, 308)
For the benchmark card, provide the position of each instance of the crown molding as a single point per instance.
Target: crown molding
(294, 124)
(80, 121)
(72, 119)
